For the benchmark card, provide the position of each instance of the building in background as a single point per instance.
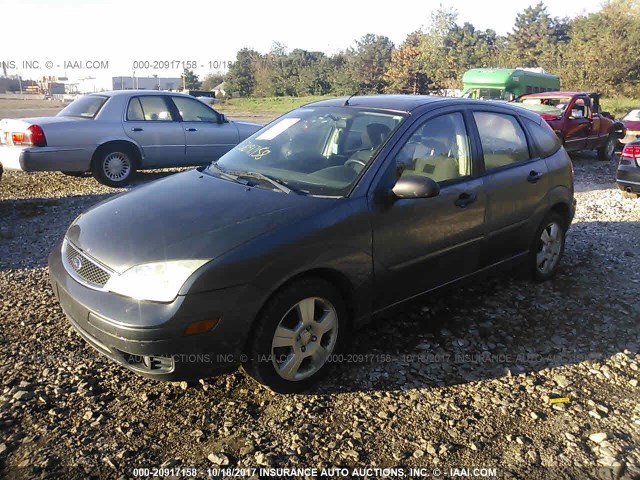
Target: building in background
(146, 83)
(5, 84)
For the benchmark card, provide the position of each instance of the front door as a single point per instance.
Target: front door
(578, 124)
(423, 243)
(207, 137)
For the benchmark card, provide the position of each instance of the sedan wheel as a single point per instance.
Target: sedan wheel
(304, 338)
(115, 167)
(548, 247)
(296, 335)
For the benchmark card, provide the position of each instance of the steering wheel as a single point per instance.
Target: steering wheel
(354, 161)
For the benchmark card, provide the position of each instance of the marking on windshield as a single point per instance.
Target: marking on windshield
(277, 129)
(255, 151)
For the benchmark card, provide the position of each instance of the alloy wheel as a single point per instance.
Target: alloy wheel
(304, 338)
(550, 247)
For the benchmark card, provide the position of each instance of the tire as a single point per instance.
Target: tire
(294, 360)
(115, 166)
(547, 247)
(608, 149)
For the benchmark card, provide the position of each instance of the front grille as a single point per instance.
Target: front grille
(80, 265)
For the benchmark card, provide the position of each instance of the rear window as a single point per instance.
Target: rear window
(85, 107)
(547, 142)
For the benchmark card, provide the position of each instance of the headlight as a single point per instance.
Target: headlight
(157, 282)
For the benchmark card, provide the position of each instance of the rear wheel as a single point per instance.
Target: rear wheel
(115, 166)
(607, 150)
(301, 327)
(547, 247)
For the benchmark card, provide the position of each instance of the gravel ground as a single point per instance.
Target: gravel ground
(461, 380)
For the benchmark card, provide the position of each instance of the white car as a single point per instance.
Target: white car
(113, 134)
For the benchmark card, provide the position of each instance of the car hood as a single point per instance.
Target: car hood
(187, 215)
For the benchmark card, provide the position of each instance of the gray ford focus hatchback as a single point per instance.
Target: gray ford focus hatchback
(329, 215)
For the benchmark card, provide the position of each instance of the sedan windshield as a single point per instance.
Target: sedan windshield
(87, 106)
(313, 150)
(632, 116)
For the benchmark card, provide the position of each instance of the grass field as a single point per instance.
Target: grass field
(616, 106)
(266, 104)
(619, 106)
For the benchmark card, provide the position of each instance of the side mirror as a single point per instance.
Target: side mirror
(222, 118)
(413, 186)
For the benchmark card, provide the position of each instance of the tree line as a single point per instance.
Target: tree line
(597, 51)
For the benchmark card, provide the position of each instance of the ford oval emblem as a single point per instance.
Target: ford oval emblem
(76, 262)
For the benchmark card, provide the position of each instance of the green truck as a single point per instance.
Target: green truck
(506, 84)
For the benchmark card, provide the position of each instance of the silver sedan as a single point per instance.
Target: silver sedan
(113, 134)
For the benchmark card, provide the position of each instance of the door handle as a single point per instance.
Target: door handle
(465, 199)
(534, 176)
(191, 129)
(136, 129)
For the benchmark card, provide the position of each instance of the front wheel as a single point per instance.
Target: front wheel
(299, 330)
(547, 247)
(114, 167)
(607, 150)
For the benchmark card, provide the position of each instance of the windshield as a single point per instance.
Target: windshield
(552, 106)
(633, 116)
(313, 150)
(87, 106)
(485, 94)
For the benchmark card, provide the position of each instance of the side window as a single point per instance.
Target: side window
(148, 108)
(192, 110)
(579, 109)
(545, 139)
(503, 140)
(134, 112)
(439, 149)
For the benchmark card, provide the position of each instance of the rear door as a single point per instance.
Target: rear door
(423, 243)
(149, 121)
(207, 136)
(516, 182)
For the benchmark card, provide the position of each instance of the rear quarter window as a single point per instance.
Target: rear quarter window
(546, 141)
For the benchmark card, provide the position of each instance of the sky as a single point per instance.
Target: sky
(62, 36)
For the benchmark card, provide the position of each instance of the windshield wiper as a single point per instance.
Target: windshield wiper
(261, 176)
(227, 175)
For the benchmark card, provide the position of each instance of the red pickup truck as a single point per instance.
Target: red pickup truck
(577, 120)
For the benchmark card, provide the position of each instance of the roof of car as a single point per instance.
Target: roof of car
(115, 93)
(407, 103)
(556, 94)
(403, 103)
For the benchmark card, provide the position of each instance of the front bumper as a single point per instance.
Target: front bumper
(46, 159)
(628, 176)
(113, 325)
